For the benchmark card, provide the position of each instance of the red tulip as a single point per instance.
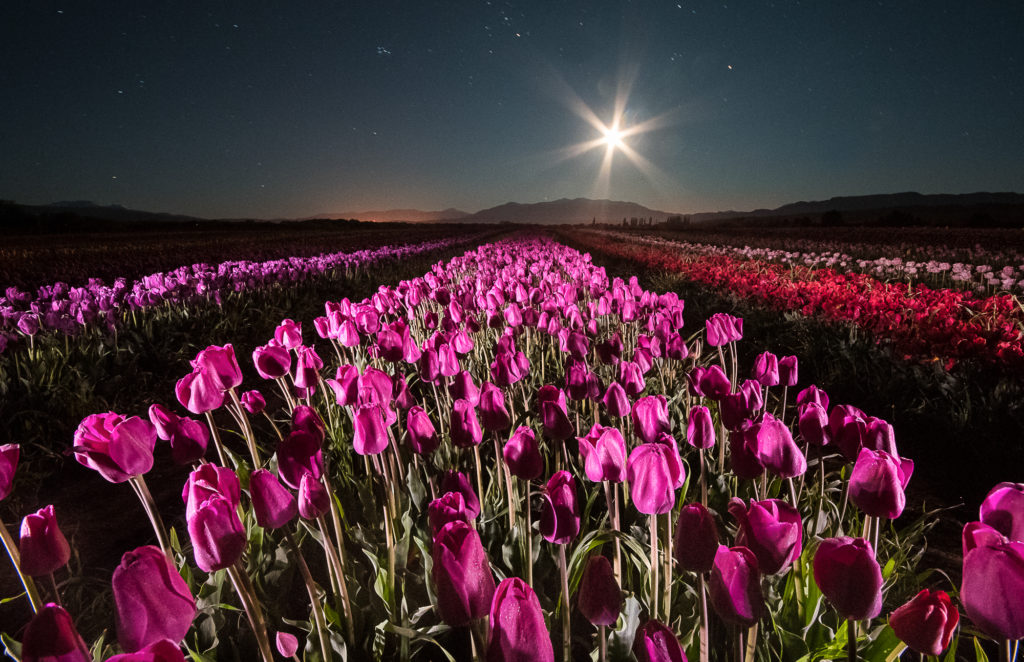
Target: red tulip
(560, 512)
(9, 454)
(696, 539)
(272, 504)
(522, 455)
(655, 642)
(461, 573)
(878, 481)
(153, 601)
(926, 623)
(771, 529)
(517, 632)
(848, 575)
(735, 586)
(116, 447)
(51, 637)
(599, 597)
(43, 547)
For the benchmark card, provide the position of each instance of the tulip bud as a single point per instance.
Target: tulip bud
(522, 455)
(1002, 509)
(599, 597)
(465, 427)
(655, 642)
(604, 454)
(650, 417)
(287, 644)
(218, 538)
(735, 586)
(615, 400)
(51, 636)
(314, 500)
(164, 421)
(696, 539)
(877, 483)
(848, 575)
(926, 623)
(153, 601)
(653, 475)
(116, 447)
(766, 369)
(422, 434)
(43, 547)
(771, 529)
(456, 481)
(272, 504)
(9, 454)
(461, 573)
(517, 631)
(560, 512)
(253, 402)
(993, 581)
(700, 431)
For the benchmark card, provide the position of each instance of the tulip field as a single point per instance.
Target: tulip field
(511, 454)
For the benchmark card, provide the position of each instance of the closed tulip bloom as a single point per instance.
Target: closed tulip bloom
(813, 394)
(776, 450)
(164, 421)
(653, 474)
(522, 455)
(272, 504)
(287, 644)
(733, 411)
(116, 447)
(743, 457)
(695, 539)
(43, 547)
(153, 601)
(560, 511)
(288, 334)
(160, 651)
(465, 427)
(655, 642)
(993, 582)
(879, 435)
(370, 435)
(878, 481)
(631, 377)
(221, 364)
(788, 370)
(389, 345)
(735, 586)
(650, 417)
(616, 401)
(51, 637)
(1002, 509)
(218, 538)
(554, 413)
(456, 481)
(604, 454)
(207, 481)
(713, 383)
(199, 392)
(848, 575)
(306, 371)
(422, 435)
(979, 534)
(463, 386)
(403, 396)
(314, 500)
(462, 575)
(298, 454)
(253, 402)
(675, 347)
(766, 369)
(700, 431)
(813, 424)
(848, 427)
(447, 360)
(517, 629)
(189, 441)
(599, 597)
(926, 623)
(272, 361)
(493, 414)
(429, 367)
(771, 529)
(449, 507)
(9, 454)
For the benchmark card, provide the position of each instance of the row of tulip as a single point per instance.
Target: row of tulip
(427, 533)
(920, 323)
(63, 309)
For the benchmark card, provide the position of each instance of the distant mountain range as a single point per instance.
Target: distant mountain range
(397, 215)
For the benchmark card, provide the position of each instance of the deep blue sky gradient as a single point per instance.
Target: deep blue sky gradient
(247, 108)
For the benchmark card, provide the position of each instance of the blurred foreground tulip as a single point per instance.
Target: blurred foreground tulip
(517, 632)
(9, 454)
(1002, 509)
(51, 637)
(153, 601)
(993, 583)
(655, 642)
(461, 573)
(848, 575)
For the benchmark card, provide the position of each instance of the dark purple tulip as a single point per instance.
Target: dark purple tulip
(299, 453)
(776, 450)
(813, 394)
(847, 427)
(742, 454)
(655, 642)
(422, 435)
(9, 454)
(51, 637)
(508, 368)
(493, 414)
(153, 601)
(29, 324)
(221, 364)
(314, 500)
(158, 651)
(713, 383)
(449, 507)
(253, 402)
(878, 481)
(164, 421)
(631, 377)
(604, 454)
(116, 447)
(766, 369)
(771, 529)
(700, 431)
(650, 417)
(389, 345)
(653, 475)
(993, 582)
(207, 481)
(616, 401)
(599, 597)
(926, 623)
(735, 586)
(675, 347)
(306, 371)
(218, 538)
(696, 538)
(554, 413)
(610, 351)
(189, 441)
(848, 575)
(788, 370)
(288, 334)
(272, 504)
(813, 424)
(456, 481)
(43, 547)
(429, 367)
(462, 575)
(464, 425)
(1002, 509)
(272, 361)
(522, 454)
(733, 411)
(517, 629)
(560, 512)
(199, 392)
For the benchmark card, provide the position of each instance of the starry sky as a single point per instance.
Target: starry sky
(249, 108)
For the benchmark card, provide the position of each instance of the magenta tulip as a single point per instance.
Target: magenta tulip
(743, 454)
(207, 481)
(51, 637)
(199, 392)
(712, 383)
(775, 448)
(650, 417)
(159, 651)
(298, 454)
(164, 421)
(272, 504)
(655, 642)
(878, 481)
(616, 401)
(766, 369)
(771, 529)
(813, 394)
(695, 539)
(9, 454)
(926, 623)
(813, 424)
(220, 363)
(604, 454)
(370, 435)
(631, 377)
(993, 582)
(456, 481)
(153, 601)
(306, 371)
(345, 385)
(735, 586)
(288, 334)
(653, 475)
(287, 644)
(422, 435)
(449, 507)
(848, 575)
(314, 500)
(493, 414)
(253, 402)
(464, 426)
(554, 413)
(189, 441)
(116, 447)
(517, 629)
(599, 597)
(847, 429)
(788, 370)
(461, 573)
(218, 538)
(1002, 509)
(700, 431)
(43, 547)
(272, 361)
(560, 511)
(522, 455)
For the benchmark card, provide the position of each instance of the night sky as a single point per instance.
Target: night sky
(289, 109)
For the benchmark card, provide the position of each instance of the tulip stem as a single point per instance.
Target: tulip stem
(563, 571)
(138, 483)
(667, 560)
(851, 638)
(479, 475)
(332, 553)
(654, 567)
(314, 599)
(250, 438)
(244, 589)
(216, 439)
(529, 538)
(751, 648)
(613, 515)
(602, 644)
(705, 629)
(26, 581)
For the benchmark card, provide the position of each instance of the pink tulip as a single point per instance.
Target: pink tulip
(813, 394)
(766, 369)
(771, 529)
(560, 512)
(422, 435)
(775, 448)
(43, 547)
(299, 453)
(272, 504)
(199, 392)
(218, 538)
(272, 361)
(51, 637)
(616, 401)
(700, 432)
(788, 370)
(493, 414)
(604, 454)
(650, 417)
(464, 425)
(461, 573)
(517, 629)
(345, 385)
(153, 602)
(220, 363)
(159, 651)
(253, 402)
(288, 334)
(554, 413)
(735, 586)
(653, 474)
(314, 500)
(878, 481)
(164, 421)
(207, 481)
(992, 585)
(370, 435)
(189, 441)
(848, 575)
(1002, 509)
(522, 455)
(116, 447)
(655, 642)
(449, 507)
(456, 481)
(306, 371)
(813, 424)
(631, 377)
(599, 597)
